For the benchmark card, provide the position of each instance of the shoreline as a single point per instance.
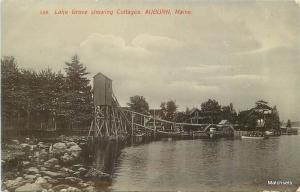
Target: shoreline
(33, 165)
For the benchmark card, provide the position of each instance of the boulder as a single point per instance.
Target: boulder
(67, 170)
(11, 184)
(40, 181)
(30, 177)
(97, 175)
(42, 145)
(69, 144)
(29, 188)
(51, 162)
(73, 179)
(50, 180)
(43, 169)
(25, 146)
(51, 174)
(82, 170)
(77, 174)
(43, 154)
(66, 158)
(57, 166)
(32, 170)
(60, 187)
(25, 163)
(89, 189)
(43, 183)
(59, 148)
(15, 141)
(75, 148)
(73, 189)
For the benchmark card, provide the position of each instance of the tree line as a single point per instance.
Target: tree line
(45, 99)
(52, 100)
(261, 116)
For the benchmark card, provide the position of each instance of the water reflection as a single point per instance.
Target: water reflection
(206, 165)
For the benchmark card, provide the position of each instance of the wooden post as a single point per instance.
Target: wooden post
(132, 124)
(154, 122)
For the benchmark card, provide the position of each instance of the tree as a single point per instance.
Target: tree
(229, 113)
(138, 104)
(212, 109)
(168, 110)
(10, 97)
(78, 96)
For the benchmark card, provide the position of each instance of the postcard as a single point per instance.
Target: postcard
(150, 95)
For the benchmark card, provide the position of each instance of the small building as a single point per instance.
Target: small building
(102, 90)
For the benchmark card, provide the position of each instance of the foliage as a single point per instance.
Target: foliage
(168, 110)
(262, 111)
(138, 104)
(34, 100)
(212, 109)
(78, 96)
(229, 113)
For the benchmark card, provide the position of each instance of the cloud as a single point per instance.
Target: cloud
(156, 43)
(111, 45)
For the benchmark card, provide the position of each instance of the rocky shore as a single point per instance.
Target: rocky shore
(37, 166)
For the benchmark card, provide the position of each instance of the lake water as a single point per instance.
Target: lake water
(210, 165)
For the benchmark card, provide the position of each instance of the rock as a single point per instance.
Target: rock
(59, 148)
(60, 187)
(43, 169)
(75, 148)
(25, 163)
(73, 179)
(42, 145)
(28, 187)
(77, 166)
(77, 174)
(40, 180)
(51, 174)
(33, 147)
(11, 184)
(73, 189)
(57, 166)
(15, 141)
(51, 162)
(66, 158)
(69, 144)
(43, 154)
(33, 170)
(43, 183)
(83, 184)
(98, 175)
(82, 169)
(50, 180)
(89, 189)
(30, 177)
(25, 145)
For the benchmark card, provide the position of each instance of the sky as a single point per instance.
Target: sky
(231, 51)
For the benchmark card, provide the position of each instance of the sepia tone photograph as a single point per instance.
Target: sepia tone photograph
(150, 95)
